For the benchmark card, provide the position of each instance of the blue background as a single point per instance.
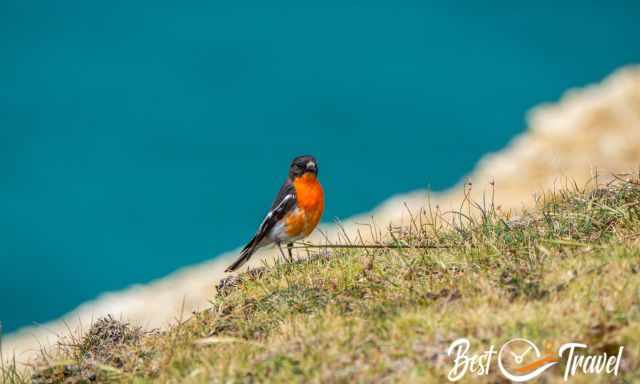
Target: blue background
(139, 137)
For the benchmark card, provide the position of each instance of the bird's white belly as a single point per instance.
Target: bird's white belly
(278, 233)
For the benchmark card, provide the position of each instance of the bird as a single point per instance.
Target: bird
(294, 214)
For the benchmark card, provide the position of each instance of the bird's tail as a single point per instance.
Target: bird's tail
(245, 255)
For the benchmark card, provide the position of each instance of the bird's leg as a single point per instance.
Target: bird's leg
(281, 251)
(289, 247)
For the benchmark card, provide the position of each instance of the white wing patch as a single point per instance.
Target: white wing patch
(282, 203)
(276, 209)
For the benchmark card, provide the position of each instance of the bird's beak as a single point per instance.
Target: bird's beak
(311, 166)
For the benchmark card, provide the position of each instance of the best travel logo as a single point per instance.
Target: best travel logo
(520, 360)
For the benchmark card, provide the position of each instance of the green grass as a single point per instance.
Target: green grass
(567, 270)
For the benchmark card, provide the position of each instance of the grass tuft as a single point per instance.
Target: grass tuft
(566, 270)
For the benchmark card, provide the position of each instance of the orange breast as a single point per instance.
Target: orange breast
(310, 199)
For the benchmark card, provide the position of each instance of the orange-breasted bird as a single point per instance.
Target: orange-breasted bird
(294, 214)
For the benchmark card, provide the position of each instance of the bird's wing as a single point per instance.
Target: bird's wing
(284, 203)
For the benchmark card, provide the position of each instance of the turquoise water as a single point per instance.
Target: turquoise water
(139, 138)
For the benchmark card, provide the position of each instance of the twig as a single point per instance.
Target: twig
(377, 246)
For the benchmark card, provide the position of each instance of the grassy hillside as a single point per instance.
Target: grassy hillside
(565, 271)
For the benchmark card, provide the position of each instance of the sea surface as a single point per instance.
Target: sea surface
(140, 137)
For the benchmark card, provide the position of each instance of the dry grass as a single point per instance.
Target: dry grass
(565, 271)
